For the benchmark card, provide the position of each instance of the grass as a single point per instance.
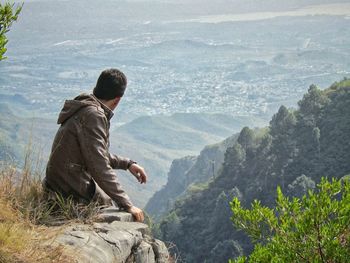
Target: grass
(21, 238)
(22, 241)
(26, 210)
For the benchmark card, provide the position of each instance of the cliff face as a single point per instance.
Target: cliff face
(161, 201)
(113, 239)
(186, 171)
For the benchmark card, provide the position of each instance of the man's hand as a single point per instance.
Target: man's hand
(138, 172)
(137, 213)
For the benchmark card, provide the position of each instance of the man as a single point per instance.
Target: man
(80, 164)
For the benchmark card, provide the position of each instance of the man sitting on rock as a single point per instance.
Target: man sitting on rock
(80, 164)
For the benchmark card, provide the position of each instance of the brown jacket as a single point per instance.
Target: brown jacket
(80, 163)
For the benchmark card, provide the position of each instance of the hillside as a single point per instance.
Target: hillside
(19, 129)
(187, 171)
(299, 147)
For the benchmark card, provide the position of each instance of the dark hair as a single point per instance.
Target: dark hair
(110, 84)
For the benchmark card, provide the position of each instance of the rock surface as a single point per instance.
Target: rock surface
(111, 241)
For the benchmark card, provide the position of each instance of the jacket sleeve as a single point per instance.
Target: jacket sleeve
(118, 162)
(94, 145)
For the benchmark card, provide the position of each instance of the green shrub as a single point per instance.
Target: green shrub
(315, 228)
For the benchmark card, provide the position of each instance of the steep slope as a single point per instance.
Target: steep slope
(299, 147)
(186, 171)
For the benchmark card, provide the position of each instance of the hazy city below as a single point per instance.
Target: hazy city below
(175, 61)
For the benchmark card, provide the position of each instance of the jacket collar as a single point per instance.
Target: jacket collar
(108, 112)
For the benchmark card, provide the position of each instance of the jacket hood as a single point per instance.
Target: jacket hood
(70, 107)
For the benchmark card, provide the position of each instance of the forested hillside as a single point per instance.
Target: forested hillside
(185, 172)
(299, 147)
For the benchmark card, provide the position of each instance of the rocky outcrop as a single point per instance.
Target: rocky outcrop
(111, 241)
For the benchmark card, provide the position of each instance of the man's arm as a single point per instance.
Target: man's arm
(118, 162)
(93, 141)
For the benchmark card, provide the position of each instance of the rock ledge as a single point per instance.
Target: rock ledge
(115, 238)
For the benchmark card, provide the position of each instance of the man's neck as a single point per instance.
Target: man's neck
(108, 104)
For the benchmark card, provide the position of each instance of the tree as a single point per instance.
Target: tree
(170, 226)
(8, 14)
(315, 228)
(246, 138)
(282, 127)
(310, 107)
(235, 156)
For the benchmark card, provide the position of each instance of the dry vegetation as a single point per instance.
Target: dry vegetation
(25, 212)
(20, 239)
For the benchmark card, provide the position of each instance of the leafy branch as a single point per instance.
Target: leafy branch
(8, 14)
(314, 228)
